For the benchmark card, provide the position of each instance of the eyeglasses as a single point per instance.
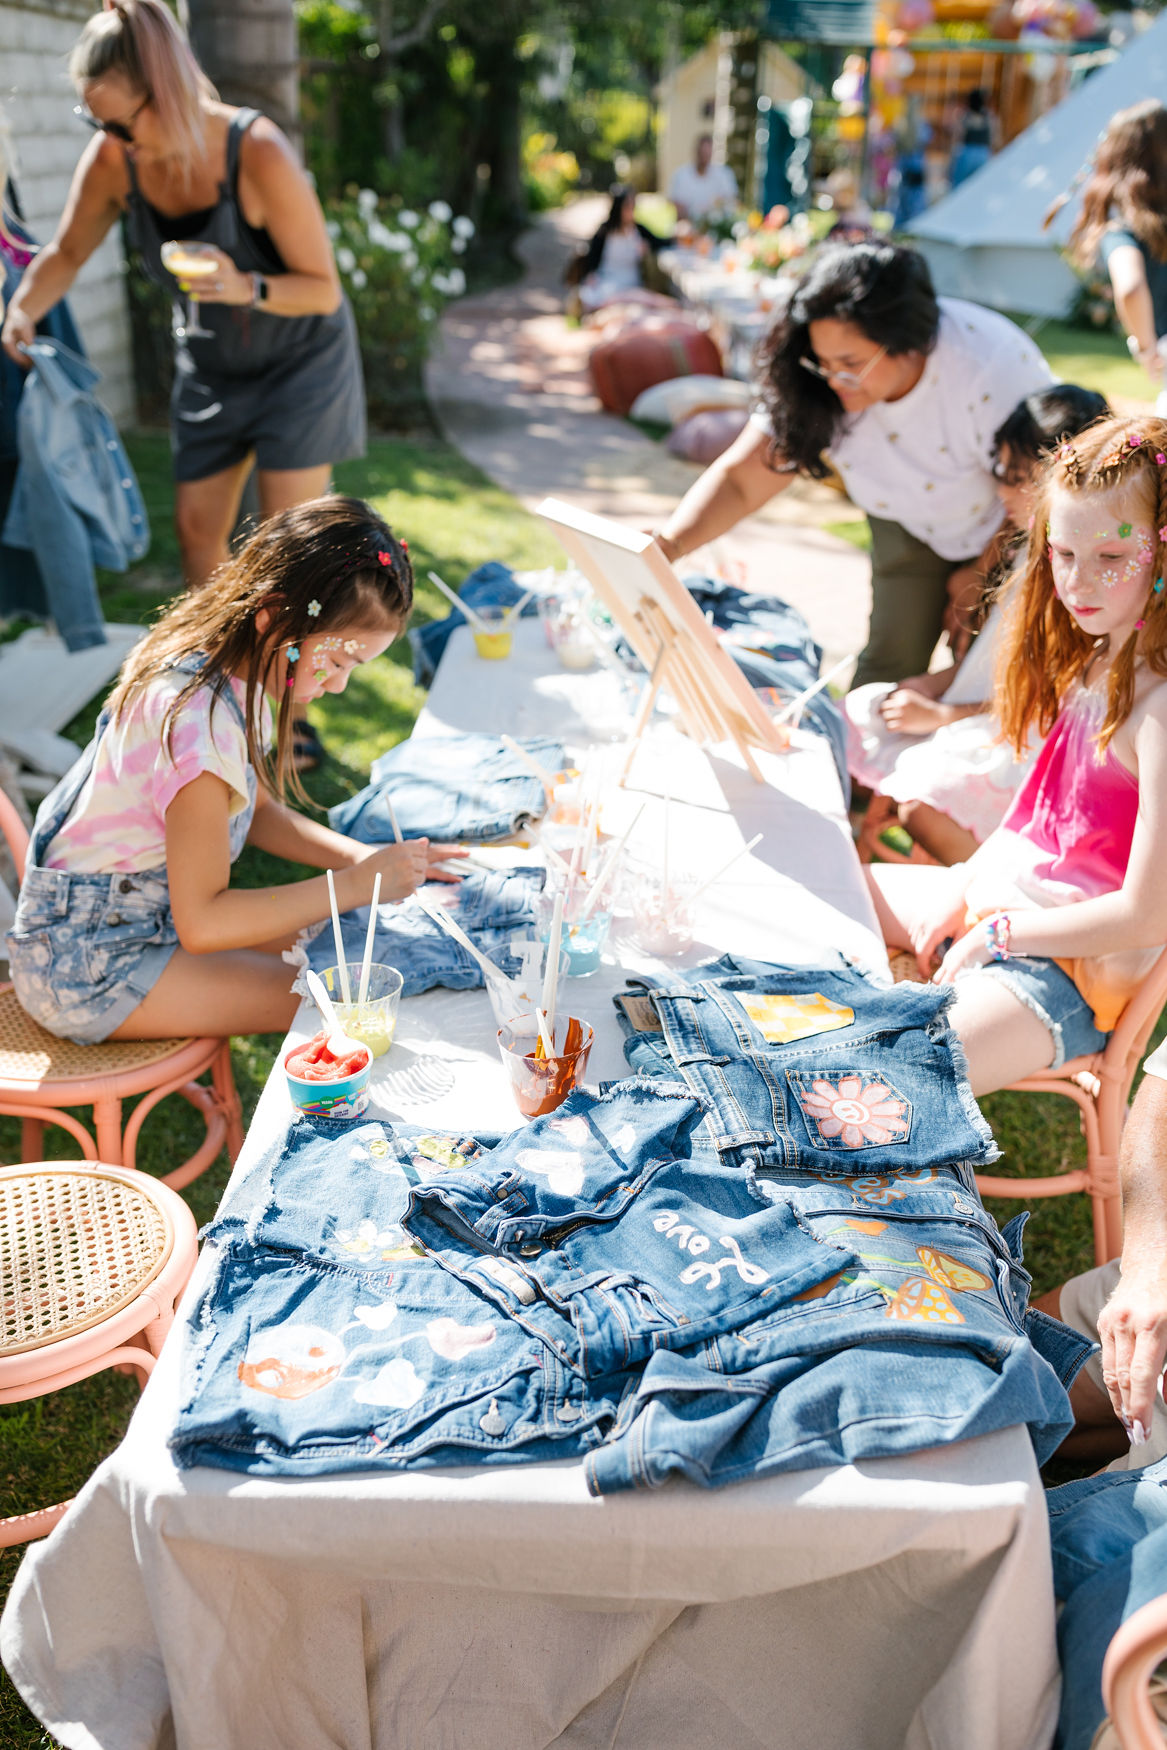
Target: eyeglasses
(845, 379)
(117, 130)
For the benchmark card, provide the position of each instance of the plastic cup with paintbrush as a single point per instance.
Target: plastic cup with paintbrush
(544, 1056)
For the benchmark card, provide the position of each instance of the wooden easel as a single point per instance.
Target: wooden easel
(668, 633)
(699, 713)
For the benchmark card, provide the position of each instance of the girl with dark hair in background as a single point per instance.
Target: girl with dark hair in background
(1123, 224)
(127, 926)
(621, 257)
(933, 744)
(867, 372)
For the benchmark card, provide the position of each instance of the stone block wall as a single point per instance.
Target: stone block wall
(45, 141)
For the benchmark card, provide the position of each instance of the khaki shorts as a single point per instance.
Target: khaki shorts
(1082, 1301)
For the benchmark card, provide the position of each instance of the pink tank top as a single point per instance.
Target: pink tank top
(1077, 811)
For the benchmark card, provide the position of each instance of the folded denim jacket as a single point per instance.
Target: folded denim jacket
(813, 1066)
(923, 1339)
(492, 906)
(595, 1230)
(450, 788)
(325, 1340)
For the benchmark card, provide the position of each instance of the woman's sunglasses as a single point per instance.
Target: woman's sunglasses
(845, 379)
(117, 130)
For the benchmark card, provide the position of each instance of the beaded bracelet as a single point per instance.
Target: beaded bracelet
(998, 931)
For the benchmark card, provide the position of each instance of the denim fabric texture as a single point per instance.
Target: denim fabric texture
(84, 950)
(1055, 999)
(595, 1230)
(76, 502)
(772, 645)
(492, 906)
(1109, 1540)
(449, 787)
(490, 586)
(22, 588)
(870, 1078)
(326, 1340)
(924, 1339)
(594, 1285)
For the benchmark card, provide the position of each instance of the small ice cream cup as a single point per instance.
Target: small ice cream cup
(494, 642)
(346, 1098)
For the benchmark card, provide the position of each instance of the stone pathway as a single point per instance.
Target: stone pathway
(509, 388)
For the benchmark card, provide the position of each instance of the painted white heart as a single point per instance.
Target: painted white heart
(624, 1138)
(398, 1384)
(563, 1169)
(378, 1318)
(454, 1341)
(575, 1129)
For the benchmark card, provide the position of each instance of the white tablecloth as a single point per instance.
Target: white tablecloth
(899, 1605)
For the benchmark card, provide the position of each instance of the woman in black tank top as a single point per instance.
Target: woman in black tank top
(267, 367)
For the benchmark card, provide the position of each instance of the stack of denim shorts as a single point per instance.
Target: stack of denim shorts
(451, 788)
(769, 1255)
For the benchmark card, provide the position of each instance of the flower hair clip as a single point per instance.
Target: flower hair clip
(313, 610)
(384, 559)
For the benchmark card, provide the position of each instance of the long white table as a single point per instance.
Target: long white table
(899, 1605)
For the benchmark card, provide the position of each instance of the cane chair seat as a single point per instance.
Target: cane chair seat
(75, 1248)
(29, 1054)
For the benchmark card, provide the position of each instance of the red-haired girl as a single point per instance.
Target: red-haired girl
(1062, 911)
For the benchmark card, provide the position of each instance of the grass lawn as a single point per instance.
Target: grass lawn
(453, 519)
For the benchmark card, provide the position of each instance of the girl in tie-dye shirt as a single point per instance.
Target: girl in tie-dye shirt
(1061, 913)
(127, 925)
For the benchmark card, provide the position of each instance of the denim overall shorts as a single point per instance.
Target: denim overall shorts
(85, 949)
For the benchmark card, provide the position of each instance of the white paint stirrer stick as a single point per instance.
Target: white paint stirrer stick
(608, 866)
(338, 939)
(551, 974)
(367, 958)
(795, 706)
(463, 607)
(546, 778)
(726, 867)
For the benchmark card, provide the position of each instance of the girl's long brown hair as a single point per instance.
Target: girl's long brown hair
(1043, 649)
(319, 567)
(1127, 179)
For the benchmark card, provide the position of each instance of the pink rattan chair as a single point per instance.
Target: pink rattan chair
(1100, 1085)
(92, 1262)
(41, 1075)
(1137, 1648)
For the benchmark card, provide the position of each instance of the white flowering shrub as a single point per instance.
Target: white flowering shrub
(399, 268)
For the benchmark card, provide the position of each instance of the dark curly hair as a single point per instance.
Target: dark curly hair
(884, 290)
(1047, 418)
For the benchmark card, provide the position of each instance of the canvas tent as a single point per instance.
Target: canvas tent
(984, 240)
